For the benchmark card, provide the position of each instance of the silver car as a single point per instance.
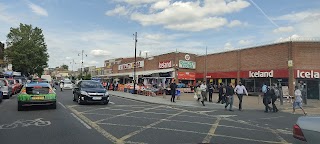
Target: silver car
(6, 88)
(307, 129)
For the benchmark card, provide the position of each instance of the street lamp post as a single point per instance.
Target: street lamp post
(82, 52)
(135, 62)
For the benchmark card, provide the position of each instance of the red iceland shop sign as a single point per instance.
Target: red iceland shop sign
(308, 74)
(165, 64)
(186, 76)
(265, 74)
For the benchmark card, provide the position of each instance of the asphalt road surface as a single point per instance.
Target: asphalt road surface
(128, 121)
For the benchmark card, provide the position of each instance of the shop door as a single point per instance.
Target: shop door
(313, 89)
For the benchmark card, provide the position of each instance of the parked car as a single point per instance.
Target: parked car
(6, 88)
(1, 95)
(89, 91)
(307, 129)
(36, 93)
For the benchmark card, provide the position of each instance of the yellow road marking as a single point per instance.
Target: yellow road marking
(95, 126)
(211, 131)
(127, 113)
(147, 127)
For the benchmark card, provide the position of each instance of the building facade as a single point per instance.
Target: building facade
(284, 63)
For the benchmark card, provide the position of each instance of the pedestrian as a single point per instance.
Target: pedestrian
(199, 95)
(303, 92)
(173, 87)
(229, 97)
(240, 90)
(221, 93)
(298, 100)
(210, 89)
(274, 98)
(113, 86)
(61, 85)
(203, 88)
(264, 89)
(267, 100)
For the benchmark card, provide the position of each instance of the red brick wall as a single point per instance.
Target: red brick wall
(306, 55)
(265, 57)
(226, 61)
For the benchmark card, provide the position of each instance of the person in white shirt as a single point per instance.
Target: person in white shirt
(240, 90)
(203, 88)
(298, 100)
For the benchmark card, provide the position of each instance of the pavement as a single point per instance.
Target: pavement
(126, 120)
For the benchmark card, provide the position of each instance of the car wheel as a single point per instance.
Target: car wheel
(79, 101)
(54, 106)
(106, 102)
(20, 107)
(74, 97)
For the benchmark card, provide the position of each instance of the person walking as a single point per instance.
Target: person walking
(303, 90)
(229, 97)
(240, 90)
(173, 87)
(199, 95)
(210, 89)
(203, 88)
(298, 100)
(267, 100)
(221, 93)
(274, 97)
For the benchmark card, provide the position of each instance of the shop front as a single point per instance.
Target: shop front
(218, 77)
(254, 79)
(311, 81)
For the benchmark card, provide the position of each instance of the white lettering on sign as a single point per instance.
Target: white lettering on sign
(258, 74)
(308, 74)
(187, 64)
(165, 64)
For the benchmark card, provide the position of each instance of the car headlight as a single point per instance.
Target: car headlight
(84, 93)
(106, 94)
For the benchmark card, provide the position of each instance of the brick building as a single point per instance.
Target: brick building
(283, 63)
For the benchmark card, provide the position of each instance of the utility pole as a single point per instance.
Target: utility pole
(205, 66)
(82, 52)
(135, 62)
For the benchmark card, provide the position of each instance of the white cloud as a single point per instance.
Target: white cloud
(290, 38)
(234, 23)
(160, 5)
(245, 42)
(68, 58)
(283, 29)
(228, 46)
(6, 16)
(118, 10)
(187, 16)
(38, 10)
(99, 52)
(300, 16)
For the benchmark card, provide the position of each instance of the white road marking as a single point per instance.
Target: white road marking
(86, 125)
(111, 102)
(62, 105)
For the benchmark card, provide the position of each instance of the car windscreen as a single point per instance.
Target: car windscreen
(37, 90)
(91, 84)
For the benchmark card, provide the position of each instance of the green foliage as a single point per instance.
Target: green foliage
(65, 67)
(27, 50)
(87, 77)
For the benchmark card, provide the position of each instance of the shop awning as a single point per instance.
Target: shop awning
(155, 71)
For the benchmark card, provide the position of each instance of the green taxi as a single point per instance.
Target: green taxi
(37, 93)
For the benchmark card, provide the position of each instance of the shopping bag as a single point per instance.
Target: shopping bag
(195, 96)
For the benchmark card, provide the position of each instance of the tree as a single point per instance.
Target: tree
(27, 50)
(65, 67)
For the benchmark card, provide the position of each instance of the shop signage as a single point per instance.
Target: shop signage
(187, 64)
(260, 74)
(308, 74)
(187, 57)
(165, 64)
(139, 64)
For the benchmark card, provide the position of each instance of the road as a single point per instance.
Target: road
(128, 121)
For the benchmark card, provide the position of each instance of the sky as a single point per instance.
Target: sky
(104, 29)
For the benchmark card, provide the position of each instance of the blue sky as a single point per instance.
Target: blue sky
(104, 28)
